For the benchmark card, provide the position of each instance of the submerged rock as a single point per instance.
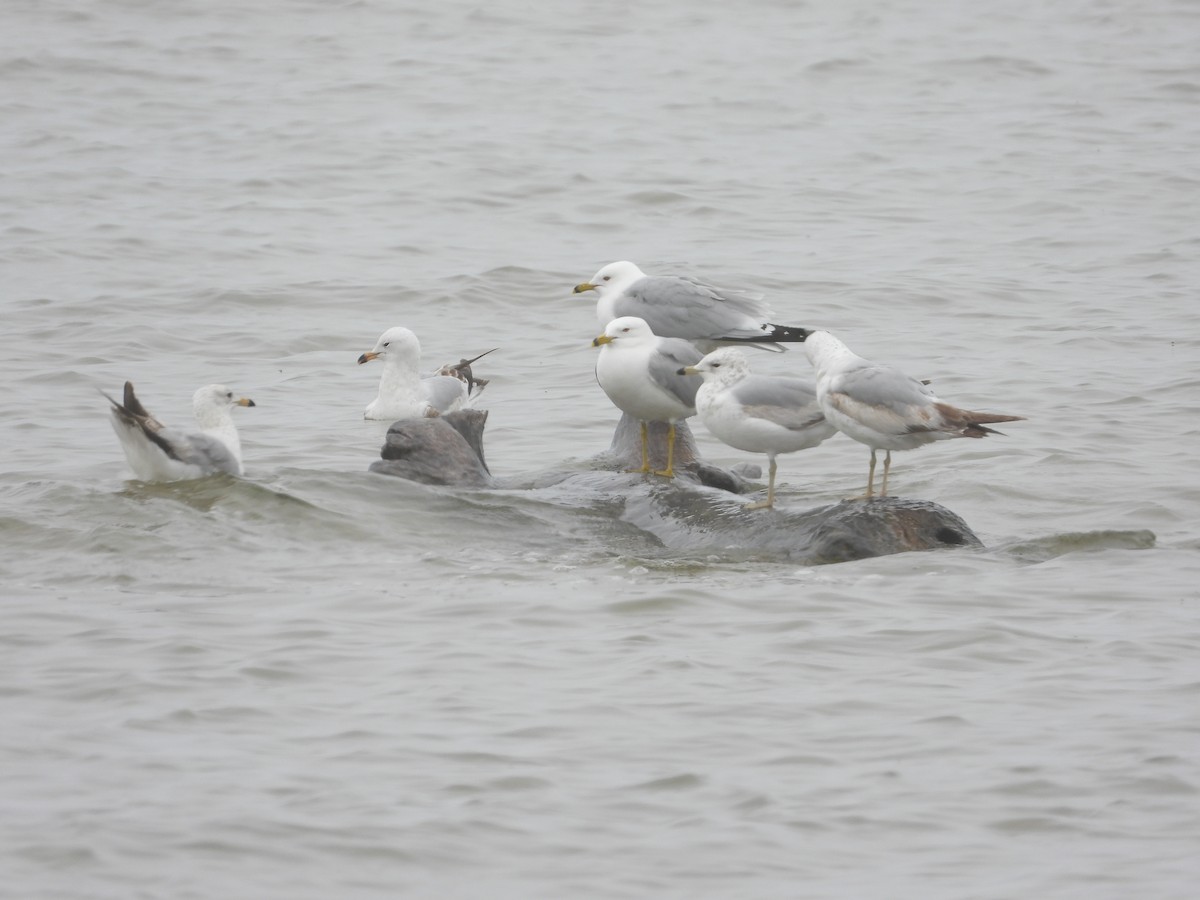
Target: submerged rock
(698, 510)
(853, 529)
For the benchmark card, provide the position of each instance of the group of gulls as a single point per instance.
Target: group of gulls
(660, 333)
(662, 329)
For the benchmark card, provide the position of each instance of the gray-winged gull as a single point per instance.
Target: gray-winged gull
(678, 307)
(769, 414)
(885, 409)
(640, 373)
(158, 453)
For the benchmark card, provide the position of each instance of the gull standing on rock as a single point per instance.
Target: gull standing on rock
(885, 409)
(158, 453)
(677, 307)
(404, 393)
(640, 373)
(768, 414)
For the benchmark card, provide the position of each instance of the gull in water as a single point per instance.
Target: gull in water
(885, 409)
(769, 414)
(404, 393)
(640, 373)
(158, 453)
(679, 307)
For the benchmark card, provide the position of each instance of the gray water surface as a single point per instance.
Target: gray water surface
(318, 682)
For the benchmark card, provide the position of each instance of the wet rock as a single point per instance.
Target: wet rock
(705, 520)
(625, 452)
(445, 450)
(697, 511)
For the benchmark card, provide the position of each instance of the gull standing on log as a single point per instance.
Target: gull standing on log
(769, 414)
(885, 409)
(640, 373)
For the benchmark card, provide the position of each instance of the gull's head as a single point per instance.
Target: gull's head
(613, 278)
(625, 331)
(724, 365)
(824, 350)
(213, 401)
(397, 343)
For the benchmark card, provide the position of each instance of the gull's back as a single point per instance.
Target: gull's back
(683, 308)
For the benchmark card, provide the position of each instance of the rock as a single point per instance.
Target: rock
(699, 510)
(445, 450)
(701, 520)
(625, 452)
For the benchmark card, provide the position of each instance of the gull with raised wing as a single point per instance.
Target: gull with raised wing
(158, 453)
(404, 393)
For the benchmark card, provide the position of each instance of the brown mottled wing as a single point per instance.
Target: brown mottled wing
(968, 423)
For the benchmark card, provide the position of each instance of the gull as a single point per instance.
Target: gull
(769, 414)
(885, 409)
(404, 393)
(158, 453)
(640, 373)
(679, 307)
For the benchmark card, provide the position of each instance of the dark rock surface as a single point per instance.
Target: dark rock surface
(439, 450)
(698, 510)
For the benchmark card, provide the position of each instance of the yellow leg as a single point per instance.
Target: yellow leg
(770, 501)
(887, 464)
(870, 480)
(645, 450)
(669, 471)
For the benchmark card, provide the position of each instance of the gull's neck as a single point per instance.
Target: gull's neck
(401, 375)
(217, 422)
(606, 304)
(834, 356)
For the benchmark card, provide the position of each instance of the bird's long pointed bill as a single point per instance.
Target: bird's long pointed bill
(246, 401)
(367, 357)
(603, 339)
(586, 286)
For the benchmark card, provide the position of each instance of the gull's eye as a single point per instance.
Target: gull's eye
(608, 278)
(625, 330)
(229, 394)
(716, 365)
(387, 343)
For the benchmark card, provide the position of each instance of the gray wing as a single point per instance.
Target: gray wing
(195, 449)
(671, 356)
(883, 398)
(790, 402)
(443, 391)
(199, 449)
(683, 308)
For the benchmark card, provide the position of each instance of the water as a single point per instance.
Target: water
(317, 682)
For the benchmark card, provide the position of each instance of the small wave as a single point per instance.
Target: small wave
(1047, 548)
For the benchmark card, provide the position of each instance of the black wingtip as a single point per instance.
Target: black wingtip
(777, 334)
(132, 403)
(786, 333)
